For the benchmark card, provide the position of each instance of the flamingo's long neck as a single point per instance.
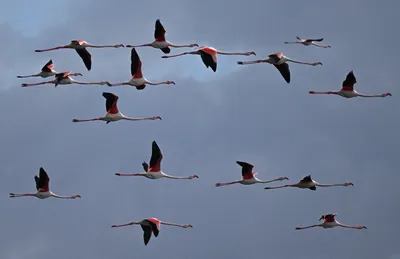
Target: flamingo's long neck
(135, 119)
(228, 183)
(177, 177)
(269, 181)
(282, 186)
(299, 62)
(329, 185)
(13, 195)
(171, 224)
(134, 174)
(232, 53)
(157, 83)
(50, 49)
(64, 197)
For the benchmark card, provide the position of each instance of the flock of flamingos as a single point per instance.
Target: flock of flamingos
(153, 169)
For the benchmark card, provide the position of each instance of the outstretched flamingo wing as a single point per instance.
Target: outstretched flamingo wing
(42, 182)
(61, 76)
(136, 64)
(321, 39)
(156, 156)
(306, 179)
(284, 70)
(111, 102)
(247, 169)
(155, 225)
(146, 233)
(348, 83)
(48, 67)
(159, 32)
(86, 57)
(328, 217)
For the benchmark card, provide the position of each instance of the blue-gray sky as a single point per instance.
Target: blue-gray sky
(210, 120)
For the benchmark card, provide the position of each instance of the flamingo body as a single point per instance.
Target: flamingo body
(347, 90)
(43, 190)
(153, 169)
(248, 176)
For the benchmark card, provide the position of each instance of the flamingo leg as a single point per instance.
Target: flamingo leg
(224, 184)
(312, 226)
(118, 84)
(13, 195)
(321, 46)
(40, 83)
(250, 62)
(135, 174)
(329, 92)
(50, 49)
(123, 225)
(181, 54)
(137, 46)
(278, 187)
(94, 119)
(28, 76)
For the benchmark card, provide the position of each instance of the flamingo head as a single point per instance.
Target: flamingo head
(283, 178)
(317, 63)
(156, 118)
(387, 94)
(250, 53)
(194, 45)
(76, 196)
(76, 74)
(194, 176)
(348, 184)
(170, 82)
(187, 226)
(218, 184)
(119, 46)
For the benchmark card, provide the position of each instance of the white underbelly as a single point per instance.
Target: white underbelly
(347, 94)
(113, 116)
(66, 81)
(154, 175)
(248, 181)
(329, 224)
(160, 44)
(43, 195)
(137, 81)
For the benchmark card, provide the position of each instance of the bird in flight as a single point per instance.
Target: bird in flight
(80, 48)
(47, 71)
(153, 171)
(308, 183)
(113, 114)
(308, 42)
(151, 226)
(330, 222)
(347, 90)
(248, 176)
(209, 55)
(65, 78)
(137, 79)
(280, 62)
(43, 190)
(160, 42)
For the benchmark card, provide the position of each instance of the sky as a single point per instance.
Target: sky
(210, 120)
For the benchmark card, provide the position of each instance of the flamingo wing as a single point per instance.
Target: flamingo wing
(348, 83)
(284, 70)
(156, 156)
(42, 182)
(86, 57)
(48, 67)
(159, 32)
(328, 217)
(61, 76)
(319, 40)
(247, 169)
(145, 166)
(146, 233)
(208, 60)
(111, 102)
(154, 224)
(136, 64)
(306, 179)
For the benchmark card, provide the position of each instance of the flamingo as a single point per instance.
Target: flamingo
(308, 42)
(151, 225)
(209, 55)
(113, 114)
(64, 78)
(308, 183)
(43, 190)
(154, 171)
(160, 42)
(80, 48)
(279, 61)
(137, 79)
(348, 91)
(248, 177)
(330, 222)
(47, 70)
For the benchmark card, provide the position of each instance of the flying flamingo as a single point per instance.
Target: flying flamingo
(330, 222)
(137, 79)
(113, 114)
(154, 171)
(308, 183)
(209, 55)
(64, 78)
(80, 47)
(160, 42)
(248, 177)
(43, 190)
(348, 91)
(279, 61)
(308, 42)
(151, 225)
(47, 70)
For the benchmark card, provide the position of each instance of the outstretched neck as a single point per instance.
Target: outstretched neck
(124, 225)
(233, 53)
(172, 224)
(135, 174)
(270, 181)
(104, 46)
(179, 177)
(65, 197)
(302, 62)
